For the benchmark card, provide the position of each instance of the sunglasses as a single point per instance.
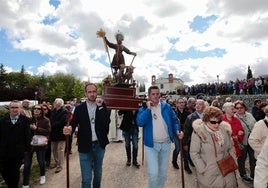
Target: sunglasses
(214, 122)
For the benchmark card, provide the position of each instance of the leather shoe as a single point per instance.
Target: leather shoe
(128, 163)
(188, 170)
(246, 179)
(135, 163)
(175, 165)
(58, 169)
(53, 166)
(118, 141)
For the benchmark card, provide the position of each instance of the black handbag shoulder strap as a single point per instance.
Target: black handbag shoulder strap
(245, 124)
(265, 121)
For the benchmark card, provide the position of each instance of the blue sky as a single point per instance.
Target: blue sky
(194, 43)
(15, 58)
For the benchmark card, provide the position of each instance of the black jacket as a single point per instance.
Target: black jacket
(188, 128)
(128, 120)
(58, 119)
(84, 134)
(14, 139)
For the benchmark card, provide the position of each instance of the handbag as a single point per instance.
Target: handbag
(227, 164)
(39, 140)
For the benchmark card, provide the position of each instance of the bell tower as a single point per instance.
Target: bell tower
(170, 78)
(153, 80)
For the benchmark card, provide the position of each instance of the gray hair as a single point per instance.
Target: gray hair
(191, 99)
(227, 105)
(59, 101)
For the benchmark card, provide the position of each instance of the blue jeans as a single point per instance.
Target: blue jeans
(157, 159)
(131, 135)
(28, 158)
(92, 161)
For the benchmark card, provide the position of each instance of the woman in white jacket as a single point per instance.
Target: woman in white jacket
(261, 172)
(258, 134)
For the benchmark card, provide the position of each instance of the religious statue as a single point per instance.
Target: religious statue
(121, 72)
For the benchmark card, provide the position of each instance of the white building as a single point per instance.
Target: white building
(167, 85)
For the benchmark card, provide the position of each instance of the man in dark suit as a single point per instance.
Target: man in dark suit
(92, 119)
(131, 133)
(188, 130)
(14, 141)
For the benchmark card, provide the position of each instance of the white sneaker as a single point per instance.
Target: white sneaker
(25, 186)
(42, 180)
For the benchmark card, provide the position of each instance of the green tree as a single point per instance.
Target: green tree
(249, 75)
(40, 83)
(3, 76)
(68, 82)
(78, 90)
(57, 92)
(142, 87)
(13, 79)
(24, 78)
(17, 85)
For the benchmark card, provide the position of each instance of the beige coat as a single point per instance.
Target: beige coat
(202, 153)
(257, 136)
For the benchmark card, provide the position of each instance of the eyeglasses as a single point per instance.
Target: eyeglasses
(214, 122)
(240, 107)
(37, 108)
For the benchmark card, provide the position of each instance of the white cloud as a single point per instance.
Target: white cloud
(147, 25)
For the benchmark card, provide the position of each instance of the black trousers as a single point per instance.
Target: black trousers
(11, 171)
(48, 153)
(247, 151)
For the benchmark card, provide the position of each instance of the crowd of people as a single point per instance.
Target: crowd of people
(252, 86)
(17, 132)
(223, 122)
(198, 129)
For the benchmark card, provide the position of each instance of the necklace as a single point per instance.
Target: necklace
(154, 114)
(92, 118)
(92, 114)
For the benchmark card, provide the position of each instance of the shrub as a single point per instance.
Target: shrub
(3, 113)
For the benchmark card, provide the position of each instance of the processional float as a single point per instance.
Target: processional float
(120, 95)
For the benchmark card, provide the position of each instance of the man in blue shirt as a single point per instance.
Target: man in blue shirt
(160, 124)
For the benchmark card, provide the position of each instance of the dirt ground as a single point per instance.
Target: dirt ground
(116, 174)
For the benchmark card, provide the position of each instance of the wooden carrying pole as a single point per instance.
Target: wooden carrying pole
(181, 158)
(67, 161)
(142, 150)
